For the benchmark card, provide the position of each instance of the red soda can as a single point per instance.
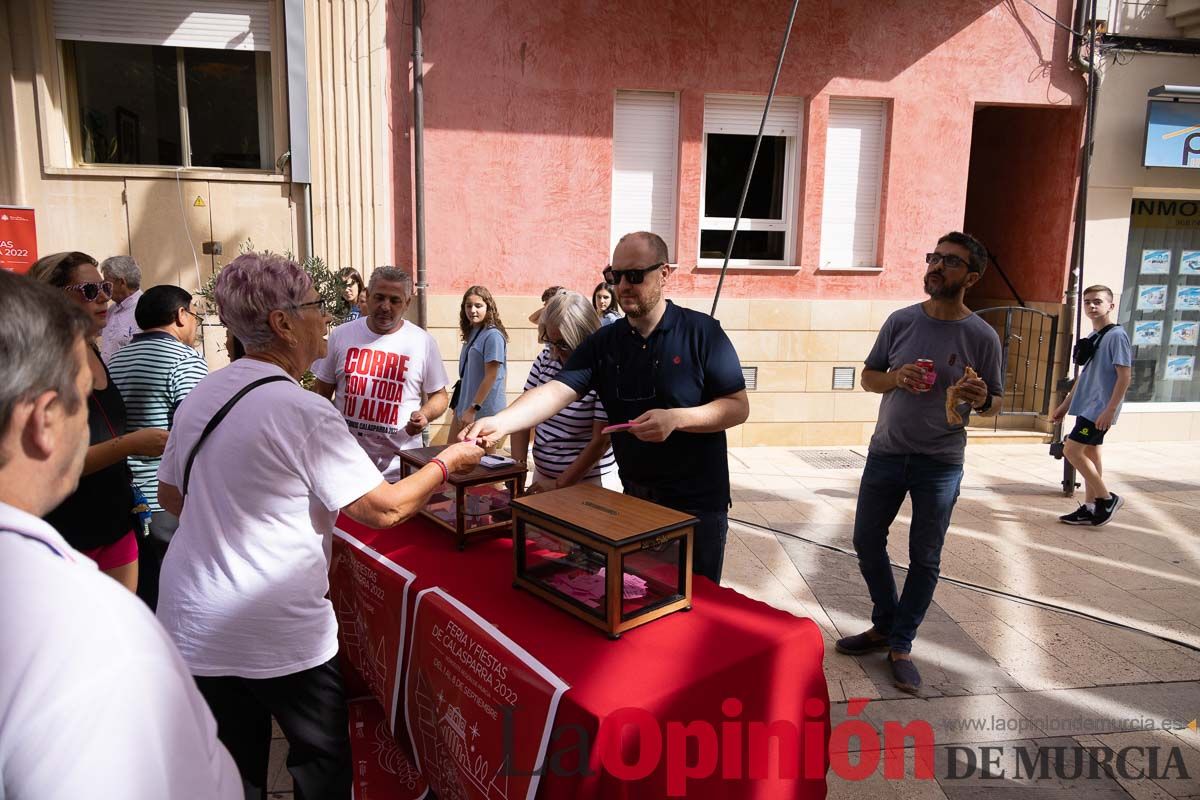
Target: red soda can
(926, 366)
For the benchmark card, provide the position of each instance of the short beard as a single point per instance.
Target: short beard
(644, 307)
(943, 292)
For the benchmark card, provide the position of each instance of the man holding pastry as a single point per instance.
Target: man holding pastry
(934, 363)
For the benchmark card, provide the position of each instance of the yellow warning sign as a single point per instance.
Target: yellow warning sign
(199, 202)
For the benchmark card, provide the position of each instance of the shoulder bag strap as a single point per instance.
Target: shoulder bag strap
(216, 420)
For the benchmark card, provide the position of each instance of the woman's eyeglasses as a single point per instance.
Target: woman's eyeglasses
(91, 291)
(634, 276)
(319, 304)
(558, 344)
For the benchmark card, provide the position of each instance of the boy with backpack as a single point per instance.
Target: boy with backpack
(1095, 401)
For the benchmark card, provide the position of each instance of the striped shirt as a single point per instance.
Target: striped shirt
(154, 372)
(559, 440)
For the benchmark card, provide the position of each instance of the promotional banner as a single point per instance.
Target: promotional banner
(382, 770)
(371, 606)
(18, 238)
(479, 708)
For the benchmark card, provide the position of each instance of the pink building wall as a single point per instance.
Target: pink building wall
(519, 105)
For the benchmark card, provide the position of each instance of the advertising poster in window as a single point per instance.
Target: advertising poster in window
(1152, 298)
(1179, 368)
(1184, 333)
(1187, 298)
(1189, 262)
(1147, 333)
(1156, 262)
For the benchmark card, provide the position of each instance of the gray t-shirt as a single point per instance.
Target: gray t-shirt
(916, 423)
(1098, 378)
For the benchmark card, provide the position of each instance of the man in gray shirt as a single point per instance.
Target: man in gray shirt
(916, 450)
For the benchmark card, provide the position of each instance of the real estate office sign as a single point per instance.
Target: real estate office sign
(1172, 134)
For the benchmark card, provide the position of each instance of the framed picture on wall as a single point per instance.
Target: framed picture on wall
(1156, 262)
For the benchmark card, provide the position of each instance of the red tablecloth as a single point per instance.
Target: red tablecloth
(680, 669)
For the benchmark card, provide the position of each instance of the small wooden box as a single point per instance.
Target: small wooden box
(610, 559)
(472, 504)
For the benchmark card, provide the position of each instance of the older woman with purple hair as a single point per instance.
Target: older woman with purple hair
(257, 469)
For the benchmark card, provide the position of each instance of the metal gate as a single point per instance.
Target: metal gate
(1028, 338)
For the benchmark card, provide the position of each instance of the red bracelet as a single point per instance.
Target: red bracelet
(442, 465)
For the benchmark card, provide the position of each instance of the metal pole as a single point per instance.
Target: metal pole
(754, 156)
(1074, 309)
(419, 163)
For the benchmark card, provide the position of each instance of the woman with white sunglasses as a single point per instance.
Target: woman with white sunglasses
(98, 518)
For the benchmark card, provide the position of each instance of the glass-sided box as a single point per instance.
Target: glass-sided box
(610, 559)
(472, 503)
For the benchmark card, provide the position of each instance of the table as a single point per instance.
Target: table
(710, 680)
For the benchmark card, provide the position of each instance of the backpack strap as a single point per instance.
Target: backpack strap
(216, 420)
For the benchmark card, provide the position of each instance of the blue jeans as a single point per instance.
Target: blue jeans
(708, 537)
(933, 486)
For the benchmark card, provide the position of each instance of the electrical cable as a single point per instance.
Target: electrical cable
(737, 220)
(983, 589)
(1051, 18)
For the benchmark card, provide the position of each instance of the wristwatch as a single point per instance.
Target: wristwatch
(477, 407)
(986, 405)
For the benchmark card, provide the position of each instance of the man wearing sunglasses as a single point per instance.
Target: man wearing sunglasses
(123, 277)
(915, 451)
(673, 374)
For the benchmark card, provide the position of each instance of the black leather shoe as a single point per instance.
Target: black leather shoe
(860, 644)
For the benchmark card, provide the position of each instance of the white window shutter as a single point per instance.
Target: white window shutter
(853, 179)
(211, 24)
(741, 113)
(645, 155)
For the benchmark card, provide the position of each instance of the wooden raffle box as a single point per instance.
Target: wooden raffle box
(473, 503)
(610, 559)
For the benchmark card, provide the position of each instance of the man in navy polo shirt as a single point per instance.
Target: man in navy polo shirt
(672, 373)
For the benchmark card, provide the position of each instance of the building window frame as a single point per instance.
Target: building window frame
(58, 130)
(788, 221)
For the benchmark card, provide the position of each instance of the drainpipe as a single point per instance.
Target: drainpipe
(419, 164)
(1073, 316)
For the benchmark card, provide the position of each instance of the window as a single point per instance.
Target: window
(766, 232)
(853, 180)
(645, 147)
(1160, 304)
(155, 83)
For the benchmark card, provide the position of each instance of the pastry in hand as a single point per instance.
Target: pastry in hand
(952, 398)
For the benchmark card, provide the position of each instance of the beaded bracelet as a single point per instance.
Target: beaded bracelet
(442, 465)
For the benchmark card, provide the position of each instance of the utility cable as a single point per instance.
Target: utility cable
(1051, 18)
(982, 589)
(787, 33)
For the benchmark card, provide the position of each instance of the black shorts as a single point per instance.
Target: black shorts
(1086, 432)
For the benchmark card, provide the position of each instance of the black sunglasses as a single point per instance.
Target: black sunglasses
(635, 275)
(948, 259)
(91, 291)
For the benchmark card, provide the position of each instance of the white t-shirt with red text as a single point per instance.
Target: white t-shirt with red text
(379, 382)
